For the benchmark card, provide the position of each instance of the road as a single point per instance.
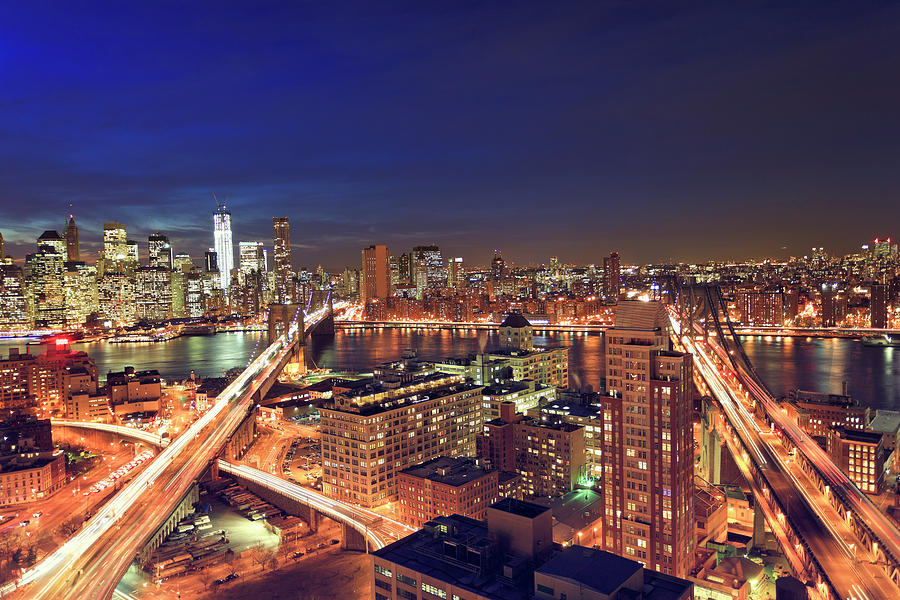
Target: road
(379, 530)
(850, 569)
(92, 562)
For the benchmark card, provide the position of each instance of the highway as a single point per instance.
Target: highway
(379, 530)
(90, 564)
(850, 569)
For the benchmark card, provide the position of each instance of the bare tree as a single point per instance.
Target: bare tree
(264, 557)
(206, 577)
(69, 527)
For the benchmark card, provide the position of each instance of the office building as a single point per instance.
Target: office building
(648, 456)
(817, 412)
(45, 279)
(375, 276)
(13, 301)
(283, 274)
(115, 248)
(160, 251)
(153, 294)
(372, 431)
(115, 297)
(612, 277)
(445, 486)
(43, 382)
(760, 307)
(80, 290)
(73, 247)
(456, 273)
(252, 257)
(222, 242)
(430, 264)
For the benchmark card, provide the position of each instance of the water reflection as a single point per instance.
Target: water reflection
(872, 374)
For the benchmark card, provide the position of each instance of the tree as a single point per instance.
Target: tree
(69, 527)
(264, 557)
(206, 577)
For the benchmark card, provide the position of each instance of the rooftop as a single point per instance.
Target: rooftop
(432, 552)
(599, 570)
(886, 421)
(515, 319)
(636, 314)
(448, 471)
(519, 507)
(855, 435)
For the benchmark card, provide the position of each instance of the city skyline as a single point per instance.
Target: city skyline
(363, 128)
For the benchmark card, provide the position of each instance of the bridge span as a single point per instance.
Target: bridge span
(829, 529)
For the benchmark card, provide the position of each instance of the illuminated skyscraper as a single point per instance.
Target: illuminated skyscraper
(223, 245)
(71, 234)
(153, 294)
(283, 273)
(44, 277)
(80, 291)
(252, 257)
(456, 273)
(161, 251)
(13, 303)
(648, 452)
(375, 278)
(115, 247)
(429, 258)
(2, 251)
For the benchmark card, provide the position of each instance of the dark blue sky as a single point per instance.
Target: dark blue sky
(705, 130)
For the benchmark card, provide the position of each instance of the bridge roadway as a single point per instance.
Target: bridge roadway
(91, 563)
(119, 430)
(812, 531)
(378, 530)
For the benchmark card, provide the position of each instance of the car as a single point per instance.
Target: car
(232, 577)
(297, 554)
(24, 523)
(333, 542)
(218, 582)
(38, 514)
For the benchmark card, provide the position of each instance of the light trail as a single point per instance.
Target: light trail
(216, 424)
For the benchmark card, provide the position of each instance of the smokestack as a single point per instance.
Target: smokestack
(844, 388)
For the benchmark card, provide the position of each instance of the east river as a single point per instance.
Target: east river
(818, 364)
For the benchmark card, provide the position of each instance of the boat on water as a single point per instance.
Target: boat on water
(882, 341)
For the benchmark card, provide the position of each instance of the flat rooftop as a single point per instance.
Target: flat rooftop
(519, 507)
(447, 471)
(598, 570)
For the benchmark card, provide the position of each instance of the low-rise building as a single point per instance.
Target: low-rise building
(887, 423)
(445, 486)
(817, 412)
(577, 517)
(134, 393)
(86, 406)
(32, 476)
(859, 454)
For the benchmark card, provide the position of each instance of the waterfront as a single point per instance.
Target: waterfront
(819, 364)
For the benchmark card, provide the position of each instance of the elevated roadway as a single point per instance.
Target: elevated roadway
(91, 563)
(774, 453)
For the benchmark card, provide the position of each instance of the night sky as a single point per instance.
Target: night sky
(684, 133)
